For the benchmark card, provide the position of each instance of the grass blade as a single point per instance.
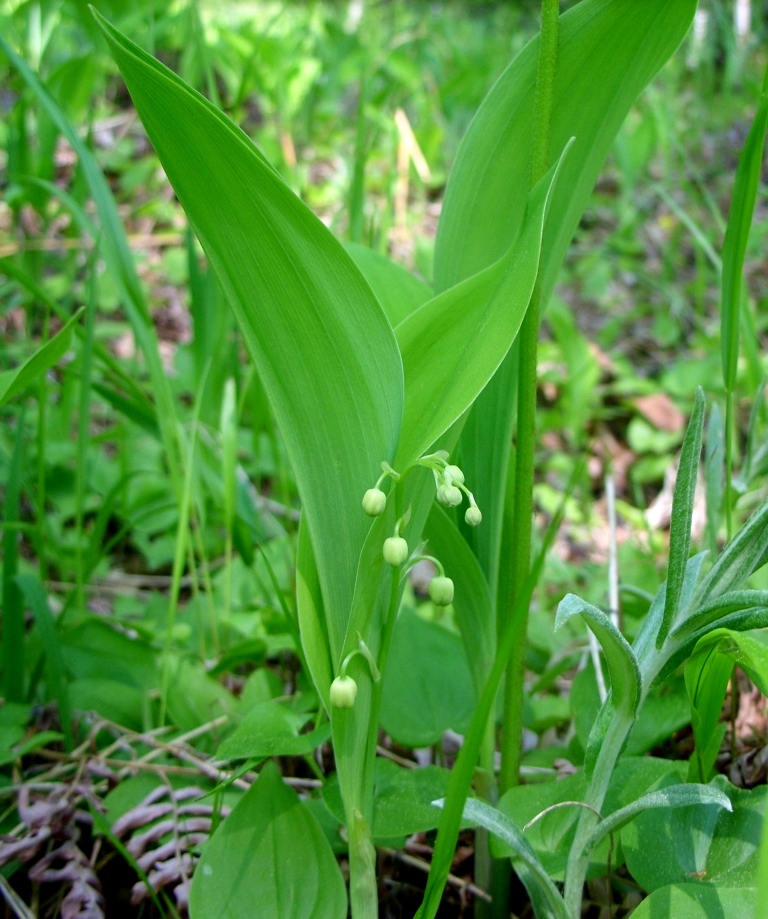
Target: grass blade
(35, 596)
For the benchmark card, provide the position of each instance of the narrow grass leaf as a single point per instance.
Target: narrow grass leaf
(626, 683)
(46, 625)
(324, 350)
(12, 649)
(12, 382)
(672, 796)
(117, 254)
(463, 771)
(736, 236)
(682, 515)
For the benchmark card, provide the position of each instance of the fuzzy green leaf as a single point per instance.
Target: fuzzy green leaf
(673, 796)
(682, 515)
(535, 878)
(626, 685)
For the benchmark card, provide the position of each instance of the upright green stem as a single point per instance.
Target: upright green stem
(522, 517)
(578, 861)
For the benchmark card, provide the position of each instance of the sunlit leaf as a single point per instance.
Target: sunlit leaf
(324, 350)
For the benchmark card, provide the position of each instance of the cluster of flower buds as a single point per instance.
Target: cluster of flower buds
(449, 482)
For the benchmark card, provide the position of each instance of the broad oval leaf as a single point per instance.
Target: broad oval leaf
(608, 50)
(271, 729)
(454, 343)
(698, 901)
(398, 291)
(269, 855)
(324, 350)
(472, 602)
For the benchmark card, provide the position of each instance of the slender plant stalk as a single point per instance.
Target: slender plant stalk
(13, 609)
(578, 862)
(520, 560)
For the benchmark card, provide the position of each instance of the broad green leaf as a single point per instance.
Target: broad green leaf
(270, 857)
(608, 51)
(472, 601)
(626, 685)
(736, 236)
(673, 796)
(402, 802)
(120, 702)
(323, 348)
(485, 450)
(454, 343)
(12, 382)
(682, 514)
(534, 876)
(397, 290)
(761, 906)
(271, 729)
(698, 901)
(668, 847)
(427, 684)
(310, 609)
(95, 649)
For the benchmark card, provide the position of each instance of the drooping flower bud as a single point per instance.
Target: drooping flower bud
(441, 591)
(395, 551)
(454, 474)
(374, 502)
(449, 495)
(343, 692)
(473, 515)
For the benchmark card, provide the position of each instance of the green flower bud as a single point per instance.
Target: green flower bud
(343, 692)
(395, 551)
(374, 502)
(473, 516)
(449, 495)
(454, 474)
(441, 591)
